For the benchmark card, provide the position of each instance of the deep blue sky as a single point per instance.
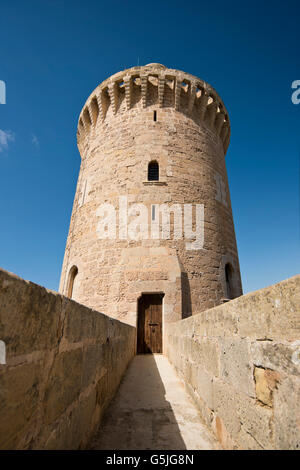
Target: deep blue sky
(54, 53)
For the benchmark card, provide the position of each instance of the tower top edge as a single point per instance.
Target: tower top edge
(158, 69)
(155, 64)
(202, 97)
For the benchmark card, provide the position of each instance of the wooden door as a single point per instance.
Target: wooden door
(149, 332)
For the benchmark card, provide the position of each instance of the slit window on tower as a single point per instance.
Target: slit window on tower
(154, 116)
(153, 171)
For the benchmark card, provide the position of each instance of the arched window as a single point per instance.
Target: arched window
(153, 171)
(229, 281)
(71, 281)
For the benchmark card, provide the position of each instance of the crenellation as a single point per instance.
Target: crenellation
(220, 117)
(86, 119)
(191, 96)
(161, 89)
(203, 101)
(178, 87)
(94, 110)
(106, 100)
(144, 87)
(114, 95)
(100, 105)
(227, 141)
(80, 131)
(224, 131)
(211, 112)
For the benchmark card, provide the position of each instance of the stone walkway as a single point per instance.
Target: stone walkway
(152, 410)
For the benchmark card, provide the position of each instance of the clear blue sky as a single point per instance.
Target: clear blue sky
(54, 53)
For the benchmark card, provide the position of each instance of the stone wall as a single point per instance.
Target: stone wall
(63, 365)
(241, 364)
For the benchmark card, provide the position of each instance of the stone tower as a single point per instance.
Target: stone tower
(152, 211)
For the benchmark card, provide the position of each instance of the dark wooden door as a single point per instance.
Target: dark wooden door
(149, 339)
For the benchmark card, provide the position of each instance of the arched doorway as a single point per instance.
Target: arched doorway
(149, 330)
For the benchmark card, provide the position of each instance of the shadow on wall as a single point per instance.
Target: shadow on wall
(139, 417)
(186, 305)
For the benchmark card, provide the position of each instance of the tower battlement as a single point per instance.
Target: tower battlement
(155, 84)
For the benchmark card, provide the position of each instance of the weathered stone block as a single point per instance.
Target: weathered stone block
(19, 394)
(239, 412)
(65, 383)
(287, 414)
(222, 434)
(216, 322)
(29, 316)
(282, 357)
(236, 365)
(253, 316)
(93, 362)
(204, 386)
(284, 321)
(255, 421)
(205, 352)
(83, 323)
(225, 407)
(74, 429)
(265, 382)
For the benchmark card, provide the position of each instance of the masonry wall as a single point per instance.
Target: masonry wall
(63, 365)
(241, 364)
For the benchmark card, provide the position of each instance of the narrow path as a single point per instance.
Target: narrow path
(152, 410)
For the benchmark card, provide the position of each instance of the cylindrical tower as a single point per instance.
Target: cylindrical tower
(152, 211)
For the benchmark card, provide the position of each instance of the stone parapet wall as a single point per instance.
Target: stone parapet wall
(241, 364)
(64, 363)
